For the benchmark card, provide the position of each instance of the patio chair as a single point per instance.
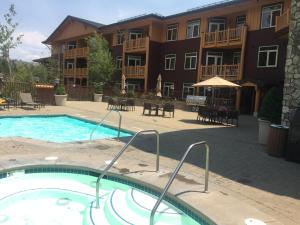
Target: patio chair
(168, 107)
(26, 100)
(147, 106)
(130, 104)
(233, 115)
(4, 103)
(112, 104)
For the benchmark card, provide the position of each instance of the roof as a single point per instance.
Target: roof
(84, 21)
(189, 11)
(135, 18)
(206, 7)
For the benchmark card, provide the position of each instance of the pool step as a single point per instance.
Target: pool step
(134, 207)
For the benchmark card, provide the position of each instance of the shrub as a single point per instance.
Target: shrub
(60, 90)
(98, 88)
(271, 106)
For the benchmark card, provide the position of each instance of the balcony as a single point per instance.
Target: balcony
(231, 37)
(78, 72)
(136, 45)
(76, 53)
(136, 72)
(228, 72)
(282, 21)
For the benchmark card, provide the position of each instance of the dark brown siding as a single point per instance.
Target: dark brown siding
(268, 76)
(179, 75)
(117, 51)
(155, 63)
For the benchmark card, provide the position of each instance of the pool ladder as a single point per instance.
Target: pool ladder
(164, 192)
(166, 188)
(102, 121)
(120, 153)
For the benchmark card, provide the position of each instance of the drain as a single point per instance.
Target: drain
(251, 221)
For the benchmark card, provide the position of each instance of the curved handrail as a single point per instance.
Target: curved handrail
(101, 122)
(120, 153)
(176, 172)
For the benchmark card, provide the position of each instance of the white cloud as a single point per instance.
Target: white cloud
(31, 47)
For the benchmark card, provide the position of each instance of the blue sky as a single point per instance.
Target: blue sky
(38, 18)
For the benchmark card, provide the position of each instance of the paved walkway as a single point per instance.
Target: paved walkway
(244, 179)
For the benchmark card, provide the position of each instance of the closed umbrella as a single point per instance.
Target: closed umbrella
(123, 91)
(158, 86)
(216, 82)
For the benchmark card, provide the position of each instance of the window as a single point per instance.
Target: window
(168, 89)
(193, 29)
(240, 21)
(236, 58)
(120, 37)
(267, 56)
(135, 34)
(119, 62)
(172, 32)
(268, 15)
(70, 65)
(214, 58)
(71, 45)
(216, 24)
(188, 89)
(170, 61)
(190, 61)
(134, 60)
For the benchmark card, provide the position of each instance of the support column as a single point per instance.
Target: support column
(291, 90)
(257, 101)
(238, 99)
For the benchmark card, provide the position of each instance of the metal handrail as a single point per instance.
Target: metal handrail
(176, 172)
(120, 153)
(101, 122)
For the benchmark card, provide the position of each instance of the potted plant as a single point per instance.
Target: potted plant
(60, 95)
(270, 112)
(98, 92)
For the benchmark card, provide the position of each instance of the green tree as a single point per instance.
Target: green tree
(100, 60)
(7, 39)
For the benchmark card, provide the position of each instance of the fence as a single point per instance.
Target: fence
(12, 90)
(80, 93)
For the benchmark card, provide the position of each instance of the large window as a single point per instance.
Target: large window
(240, 21)
(168, 89)
(216, 24)
(188, 89)
(172, 32)
(119, 62)
(190, 62)
(193, 29)
(134, 60)
(120, 37)
(268, 15)
(170, 61)
(267, 56)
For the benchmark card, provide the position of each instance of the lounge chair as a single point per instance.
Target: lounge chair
(168, 107)
(26, 100)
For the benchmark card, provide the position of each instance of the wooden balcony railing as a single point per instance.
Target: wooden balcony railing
(76, 52)
(76, 72)
(228, 72)
(282, 21)
(135, 72)
(139, 44)
(228, 37)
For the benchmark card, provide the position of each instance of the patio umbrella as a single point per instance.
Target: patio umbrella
(216, 82)
(123, 88)
(158, 86)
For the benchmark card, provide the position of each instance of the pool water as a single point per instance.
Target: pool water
(69, 199)
(54, 129)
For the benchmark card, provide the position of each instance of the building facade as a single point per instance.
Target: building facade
(243, 41)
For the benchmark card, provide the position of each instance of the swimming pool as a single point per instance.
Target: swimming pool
(64, 196)
(59, 129)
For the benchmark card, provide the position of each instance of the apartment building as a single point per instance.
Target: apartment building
(243, 41)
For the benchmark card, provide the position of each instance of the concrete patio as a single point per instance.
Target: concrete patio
(244, 181)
